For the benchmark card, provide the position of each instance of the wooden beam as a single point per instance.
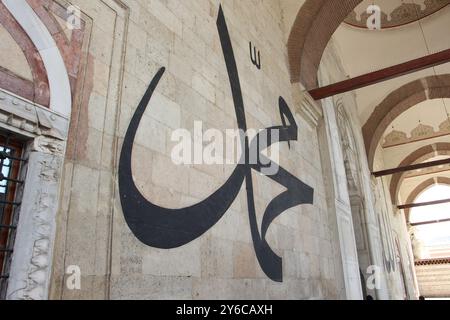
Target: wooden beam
(423, 204)
(429, 222)
(411, 168)
(427, 262)
(385, 74)
(427, 173)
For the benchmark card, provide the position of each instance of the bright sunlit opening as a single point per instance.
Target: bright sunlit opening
(433, 238)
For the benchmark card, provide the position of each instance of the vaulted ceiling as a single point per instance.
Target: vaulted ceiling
(364, 51)
(396, 12)
(398, 116)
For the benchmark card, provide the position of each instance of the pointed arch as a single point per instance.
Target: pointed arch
(313, 28)
(38, 90)
(399, 101)
(423, 187)
(58, 79)
(421, 154)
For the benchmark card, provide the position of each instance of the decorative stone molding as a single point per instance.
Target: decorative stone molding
(31, 263)
(47, 132)
(394, 138)
(310, 111)
(341, 204)
(420, 133)
(32, 119)
(445, 126)
(385, 230)
(349, 149)
(48, 146)
(403, 13)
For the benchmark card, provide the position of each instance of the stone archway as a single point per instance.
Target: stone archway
(316, 22)
(43, 41)
(417, 156)
(46, 135)
(313, 27)
(37, 90)
(423, 187)
(397, 102)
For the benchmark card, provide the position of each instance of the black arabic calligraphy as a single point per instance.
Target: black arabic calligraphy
(165, 228)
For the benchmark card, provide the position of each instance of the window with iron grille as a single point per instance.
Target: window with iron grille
(11, 153)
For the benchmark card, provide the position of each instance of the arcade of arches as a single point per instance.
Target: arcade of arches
(366, 167)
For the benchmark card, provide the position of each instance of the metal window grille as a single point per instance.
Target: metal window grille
(11, 152)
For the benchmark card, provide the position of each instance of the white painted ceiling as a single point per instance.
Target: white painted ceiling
(387, 6)
(430, 112)
(364, 51)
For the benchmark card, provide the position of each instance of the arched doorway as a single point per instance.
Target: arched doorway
(429, 227)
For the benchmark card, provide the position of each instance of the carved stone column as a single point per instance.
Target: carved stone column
(45, 133)
(31, 264)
